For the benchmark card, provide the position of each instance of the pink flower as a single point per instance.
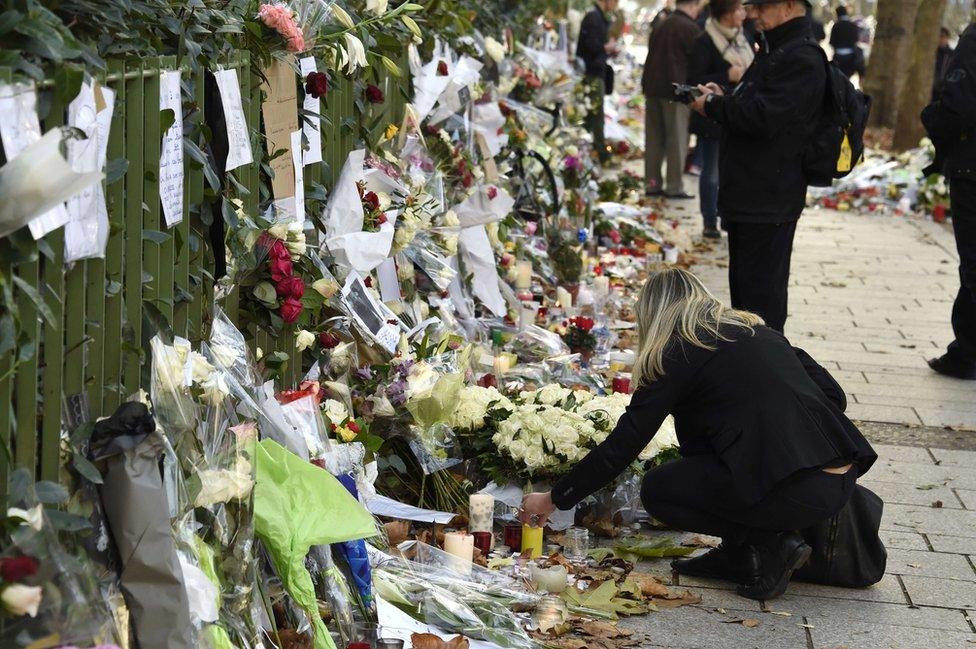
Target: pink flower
(280, 18)
(530, 227)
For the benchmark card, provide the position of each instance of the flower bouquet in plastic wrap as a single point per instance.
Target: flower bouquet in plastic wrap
(50, 597)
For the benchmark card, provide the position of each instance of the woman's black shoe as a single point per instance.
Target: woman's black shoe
(739, 564)
(948, 365)
(778, 559)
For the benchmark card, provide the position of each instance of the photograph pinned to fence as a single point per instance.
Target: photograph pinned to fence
(311, 123)
(369, 313)
(238, 141)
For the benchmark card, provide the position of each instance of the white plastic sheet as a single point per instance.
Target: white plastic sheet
(480, 209)
(479, 261)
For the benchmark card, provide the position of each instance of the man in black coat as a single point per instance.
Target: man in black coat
(766, 122)
(594, 47)
(951, 124)
(845, 39)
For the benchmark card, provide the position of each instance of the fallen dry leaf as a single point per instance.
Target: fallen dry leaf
(749, 622)
(698, 541)
(397, 532)
(431, 641)
(684, 598)
(600, 629)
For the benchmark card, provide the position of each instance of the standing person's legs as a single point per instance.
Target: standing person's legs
(596, 120)
(759, 268)
(676, 116)
(708, 182)
(961, 354)
(653, 143)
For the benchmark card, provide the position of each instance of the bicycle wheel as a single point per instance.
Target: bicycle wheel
(536, 194)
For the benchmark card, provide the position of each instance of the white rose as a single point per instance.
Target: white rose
(33, 516)
(279, 231)
(421, 380)
(381, 405)
(200, 367)
(224, 355)
(336, 411)
(494, 49)
(304, 340)
(224, 485)
(215, 389)
(325, 287)
(22, 600)
(451, 219)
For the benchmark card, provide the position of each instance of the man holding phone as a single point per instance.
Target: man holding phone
(766, 123)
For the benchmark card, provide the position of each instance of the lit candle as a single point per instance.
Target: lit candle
(523, 277)
(460, 546)
(531, 541)
(564, 298)
(481, 512)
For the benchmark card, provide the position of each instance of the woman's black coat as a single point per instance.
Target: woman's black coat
(707, 65)
(765, 408)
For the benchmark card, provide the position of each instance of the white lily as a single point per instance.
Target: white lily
(355, 53)
(378, 7)
(33, 516)
(22, 600)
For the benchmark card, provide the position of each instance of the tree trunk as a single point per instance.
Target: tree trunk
(915, 95)
(890, 58)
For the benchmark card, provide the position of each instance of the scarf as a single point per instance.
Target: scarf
(730, 42)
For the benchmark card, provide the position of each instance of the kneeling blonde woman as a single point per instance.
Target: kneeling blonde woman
(766, 448)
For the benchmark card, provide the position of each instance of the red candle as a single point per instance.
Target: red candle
(482, 541)
(513, 536)
(621, 384)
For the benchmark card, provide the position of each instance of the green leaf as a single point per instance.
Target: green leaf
(50, 493)
(67, 522)
(86, 468)
(38, 301)
(167, 118)
(115, 169)
(9, 19)
(156, 236)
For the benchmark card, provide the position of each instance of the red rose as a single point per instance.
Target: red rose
(278, 250)
(328, 340)
(492, 193)
(442, 69)
(505, 109)
(16, 568)
(290, 309)
(372, 200)
(368, 281)
(316, 84)
(319, 462)
(353, 426)
(280, 269)
(290, 287)
(374, 95)
(381, 219)
(488, 381)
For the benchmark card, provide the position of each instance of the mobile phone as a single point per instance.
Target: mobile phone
(686, 93)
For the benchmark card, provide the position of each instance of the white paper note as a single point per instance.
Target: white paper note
(296, 157)
(238, 138)
(86, 231)
(171, 155)
(479, 260)
(386, 273)
(311, 124)
(19, 128)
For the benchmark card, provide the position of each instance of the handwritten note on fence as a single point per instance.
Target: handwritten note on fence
(171, 153)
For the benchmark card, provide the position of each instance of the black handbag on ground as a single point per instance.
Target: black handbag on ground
(847, 550)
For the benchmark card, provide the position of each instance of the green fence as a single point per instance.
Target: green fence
(89, 350)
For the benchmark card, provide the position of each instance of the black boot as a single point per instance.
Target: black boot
(949, 365)
(779, 557)
(738, 563)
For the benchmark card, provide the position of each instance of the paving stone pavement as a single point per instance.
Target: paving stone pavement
(927, 599)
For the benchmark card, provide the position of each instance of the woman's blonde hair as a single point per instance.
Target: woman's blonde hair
(675, 304)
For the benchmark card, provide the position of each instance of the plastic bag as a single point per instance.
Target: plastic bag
(535, 344)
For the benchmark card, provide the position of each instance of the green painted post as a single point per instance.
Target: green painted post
(106, 389)
(134, 181)
(54, 336)
(26, 397)
(167, 249)
(6, 374)
(152, 214)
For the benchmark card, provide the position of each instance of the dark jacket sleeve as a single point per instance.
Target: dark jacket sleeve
(827, 384)
(954, 112)
(792, 90)
(591, 38)
(702, 67)
(635, 429)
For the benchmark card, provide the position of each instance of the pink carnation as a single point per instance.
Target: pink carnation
(279, 18)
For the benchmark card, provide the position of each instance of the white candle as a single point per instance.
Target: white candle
(550, 580)
(564, 298)
(481, 512)
(460, 546)
(523, 277)
(502, 364)
(601, 285)
(527, 316)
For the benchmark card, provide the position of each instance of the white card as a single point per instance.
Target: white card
(171, 155)
(238, 139)
(19, 128)
(296, 158)
(386, 273)
(313, 126)
(86, 232)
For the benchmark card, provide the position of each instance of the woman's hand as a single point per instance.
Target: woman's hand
(536, 509)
